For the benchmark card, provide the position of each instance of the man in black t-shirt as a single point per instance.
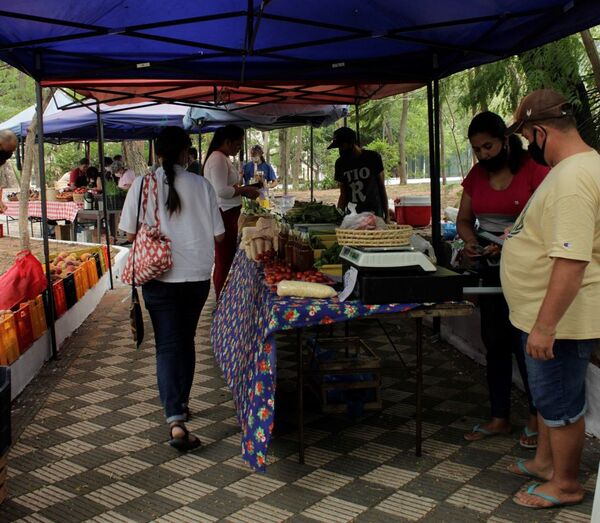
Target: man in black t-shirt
(359, 174)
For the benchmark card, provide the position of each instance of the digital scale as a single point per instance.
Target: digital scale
(400, 275)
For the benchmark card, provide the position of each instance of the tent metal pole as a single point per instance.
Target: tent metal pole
(104, 199)
(44, 201)
(436, 210)
(357, 125)
(312, 176)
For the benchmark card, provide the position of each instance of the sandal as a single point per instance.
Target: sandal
(184, 444)
(525, 435)
(523, 470)
(554, 502)
(478, 429)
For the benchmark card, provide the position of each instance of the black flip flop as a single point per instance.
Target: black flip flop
(183, 444)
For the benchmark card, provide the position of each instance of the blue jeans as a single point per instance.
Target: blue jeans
(558, 385)
(175, 309)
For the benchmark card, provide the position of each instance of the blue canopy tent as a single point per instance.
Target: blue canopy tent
(262, 51)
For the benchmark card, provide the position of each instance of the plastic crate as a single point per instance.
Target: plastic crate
(9, 343)
(38, 316)
(81, 282)
(92, 273)
(97, 258)
(60, 299)
(347, 375)
(70, 291)
(24, 327)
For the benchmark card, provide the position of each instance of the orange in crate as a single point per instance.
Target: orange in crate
(38, 316)
(24, 327)
(60, 299)
(9, 344)
(92, 272)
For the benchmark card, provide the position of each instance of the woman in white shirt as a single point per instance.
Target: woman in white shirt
(220, 172)
(189, 217)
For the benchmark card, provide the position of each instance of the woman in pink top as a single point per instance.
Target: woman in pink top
(225, 179)
(495, 192)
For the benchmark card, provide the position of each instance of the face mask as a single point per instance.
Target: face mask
(537, 152)
(497, 162)
(4, 155)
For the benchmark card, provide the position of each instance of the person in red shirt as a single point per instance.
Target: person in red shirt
(496, 190)
(77, 177)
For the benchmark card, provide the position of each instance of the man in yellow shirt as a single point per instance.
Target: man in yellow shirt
(550, 273)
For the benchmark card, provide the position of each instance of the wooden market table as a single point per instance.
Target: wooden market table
(245, 322)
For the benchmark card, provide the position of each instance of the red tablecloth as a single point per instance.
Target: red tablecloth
(56, 210)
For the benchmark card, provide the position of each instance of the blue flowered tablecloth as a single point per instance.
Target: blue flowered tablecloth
(242, 332)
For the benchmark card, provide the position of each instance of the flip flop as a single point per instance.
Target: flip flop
(486, 433)
(554, 502)
(525, 472)
(528, 434)
(183, 444)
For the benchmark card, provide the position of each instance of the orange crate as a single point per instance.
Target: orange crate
(24, 327)
(92, 272)
(81, 282)
(38, 316)
(60, 299)
(9, 343)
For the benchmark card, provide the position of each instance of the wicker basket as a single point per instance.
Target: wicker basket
(78, 197)
(393, 236)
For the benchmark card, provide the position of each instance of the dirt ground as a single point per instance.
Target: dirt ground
(9, 247)
(450, 193)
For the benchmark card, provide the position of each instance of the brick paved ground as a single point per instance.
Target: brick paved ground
(92, 446)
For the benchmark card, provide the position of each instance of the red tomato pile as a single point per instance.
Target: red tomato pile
(276, 271)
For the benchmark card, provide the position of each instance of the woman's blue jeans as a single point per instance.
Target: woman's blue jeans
(175, 309)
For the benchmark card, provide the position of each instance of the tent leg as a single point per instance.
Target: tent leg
(104, 200)
(433, 114)
(44, 224)
(312, 176)
(357, 125)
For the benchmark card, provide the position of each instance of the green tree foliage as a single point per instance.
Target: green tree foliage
(17, 92)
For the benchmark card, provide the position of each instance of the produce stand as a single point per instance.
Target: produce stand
(243, 330)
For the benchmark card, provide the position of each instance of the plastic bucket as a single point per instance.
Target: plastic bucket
(415, 211)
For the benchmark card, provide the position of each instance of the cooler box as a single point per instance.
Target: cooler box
(414, 210)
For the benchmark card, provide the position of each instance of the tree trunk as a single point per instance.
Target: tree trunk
(284, 152)
(134, 157)
(30, 156)
(8, 177)
(297, 159)
(402, 174)
(592, 53)
(265, 138)
(387, 132)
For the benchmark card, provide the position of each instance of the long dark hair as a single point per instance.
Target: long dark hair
(169, 145)
(492, 124)
(229, 132)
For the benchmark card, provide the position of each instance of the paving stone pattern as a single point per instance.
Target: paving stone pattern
(90, 442)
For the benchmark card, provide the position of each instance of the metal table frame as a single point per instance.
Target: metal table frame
(435, 311)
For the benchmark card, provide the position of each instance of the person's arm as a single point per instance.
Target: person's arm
(565, 282)
(217, 220)
(272, 180)
(343, 199)
(465, 222)
(129, 214)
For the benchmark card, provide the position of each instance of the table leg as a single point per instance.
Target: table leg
(300, 395)
(419, 391)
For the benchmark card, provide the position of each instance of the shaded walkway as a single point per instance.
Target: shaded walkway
(92, 444)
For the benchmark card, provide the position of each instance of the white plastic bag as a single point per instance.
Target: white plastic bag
(364, 221)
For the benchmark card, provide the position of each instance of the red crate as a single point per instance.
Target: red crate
(24, 327)
(60, 299)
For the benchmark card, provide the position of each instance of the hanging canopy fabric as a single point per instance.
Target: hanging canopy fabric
(263, 117)
(143, 121)
(271, 51)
